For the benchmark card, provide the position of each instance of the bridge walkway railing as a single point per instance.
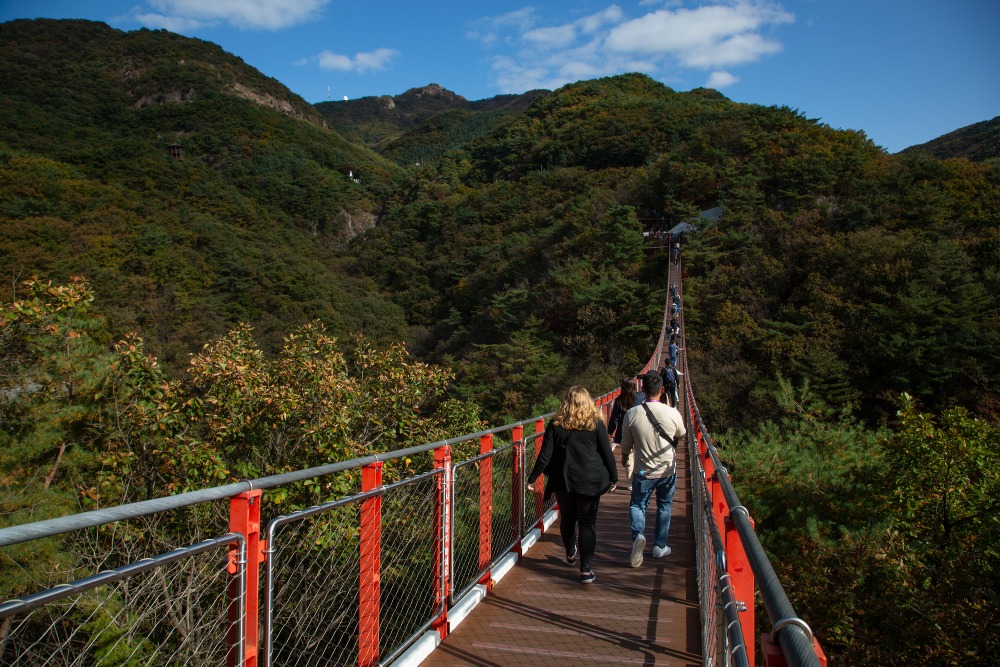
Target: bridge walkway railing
(226, 575)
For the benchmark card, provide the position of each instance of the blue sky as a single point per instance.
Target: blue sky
(902, 71)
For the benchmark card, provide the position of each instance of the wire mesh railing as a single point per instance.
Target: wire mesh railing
(311, 587)
(356, 580)
(722, 636)
(181, 607)
(732, 564)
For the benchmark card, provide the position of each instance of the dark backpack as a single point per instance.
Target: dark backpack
(669, 377)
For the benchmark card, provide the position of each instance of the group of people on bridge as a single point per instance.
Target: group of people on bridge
(577, 460)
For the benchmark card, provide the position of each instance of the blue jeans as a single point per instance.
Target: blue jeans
(642, 490)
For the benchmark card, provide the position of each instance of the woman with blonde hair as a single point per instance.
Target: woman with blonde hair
(577, 461)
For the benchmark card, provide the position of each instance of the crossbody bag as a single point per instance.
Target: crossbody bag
(658, 428)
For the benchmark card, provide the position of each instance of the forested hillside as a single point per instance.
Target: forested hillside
(843, 317)
(978, 142)
(842, 328)
(421, 124)
(243, 228)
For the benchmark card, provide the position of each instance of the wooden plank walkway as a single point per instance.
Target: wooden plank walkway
(540, 613)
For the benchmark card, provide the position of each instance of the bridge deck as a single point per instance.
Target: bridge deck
(540, 613)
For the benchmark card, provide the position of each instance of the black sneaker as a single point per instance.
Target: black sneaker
(571, 558)
(587, 577)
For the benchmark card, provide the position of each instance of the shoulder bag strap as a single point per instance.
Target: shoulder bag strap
(657, 427)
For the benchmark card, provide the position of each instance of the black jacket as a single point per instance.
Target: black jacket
(618, 415)
(577, 461)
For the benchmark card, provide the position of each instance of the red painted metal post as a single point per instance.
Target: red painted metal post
(719, 508)
(517, 493)
(738, 567)
(244, 518)
(539, 487)
(485, 507)
(370, 571)
(773, 657)
(706, 459)
(442, 535)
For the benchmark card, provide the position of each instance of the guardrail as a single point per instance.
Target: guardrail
(354, 581)
(360, 579)
(731, 561)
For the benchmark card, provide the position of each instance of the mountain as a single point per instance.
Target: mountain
(434, 119)
(840, 287)
(191, 190)
(978, 142)
(514, 253)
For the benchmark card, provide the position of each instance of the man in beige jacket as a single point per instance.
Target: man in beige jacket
(652, 430)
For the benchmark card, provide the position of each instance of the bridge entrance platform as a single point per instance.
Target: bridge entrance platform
(540, 613)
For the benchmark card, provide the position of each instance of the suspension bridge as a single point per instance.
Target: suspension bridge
(458, 565)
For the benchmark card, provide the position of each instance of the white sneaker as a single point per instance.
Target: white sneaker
(660, 552)
(637, 546)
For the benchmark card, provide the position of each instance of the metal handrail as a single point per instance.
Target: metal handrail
(792, 633)
(71, 522)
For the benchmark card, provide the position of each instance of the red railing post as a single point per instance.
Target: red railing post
(719, 507)
(442, 535)
(244, 518)
(517, 493)
(485, 507)
(773, 657)
(741, 576)
(369, 591)
(539, 487)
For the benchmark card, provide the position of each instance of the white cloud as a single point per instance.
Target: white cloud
(176, 24)
(564, 35)
(736, 50)
(522, 19)
(551, 38)
(362, 62)
(594, 22)
(247, 14)
(667, 42)
(511, 76)
(333, 61)
(690, 33)
(719, 80)
(487, 30)
(373, 61)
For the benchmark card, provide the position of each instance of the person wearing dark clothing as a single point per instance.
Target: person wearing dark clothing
(671, 378)
(578, 464)
(627, 398)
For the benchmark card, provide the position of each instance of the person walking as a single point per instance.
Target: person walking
(670, 376)
(578, 464)
(672, 351)
(652, 431)
(627, 398)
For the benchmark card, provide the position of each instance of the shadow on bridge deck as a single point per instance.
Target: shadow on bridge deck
(540, 614)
